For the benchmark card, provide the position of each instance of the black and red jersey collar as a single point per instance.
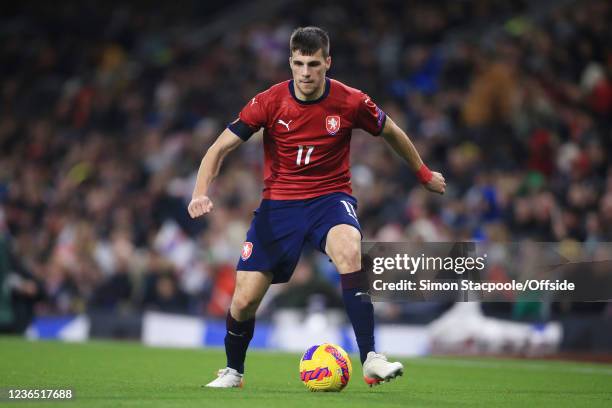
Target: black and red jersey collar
(319, 99)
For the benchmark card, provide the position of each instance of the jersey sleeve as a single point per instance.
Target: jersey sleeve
(368, 116)
(251, 118)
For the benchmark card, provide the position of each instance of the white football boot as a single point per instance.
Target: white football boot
(377, 369)
(226, 378)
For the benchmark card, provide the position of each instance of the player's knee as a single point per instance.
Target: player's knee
(244, 307)
(348, 258)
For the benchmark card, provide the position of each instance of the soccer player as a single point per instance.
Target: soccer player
(307, 124)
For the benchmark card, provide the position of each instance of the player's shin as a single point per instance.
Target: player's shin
(359, 309)
(237, 339)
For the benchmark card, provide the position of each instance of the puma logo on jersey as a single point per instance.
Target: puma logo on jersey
(285, 124)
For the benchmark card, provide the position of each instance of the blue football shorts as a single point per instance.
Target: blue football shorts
(280, 228)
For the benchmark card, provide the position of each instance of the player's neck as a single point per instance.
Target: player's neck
(312, 97)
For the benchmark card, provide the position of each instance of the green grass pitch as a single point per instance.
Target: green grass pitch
(105, 374)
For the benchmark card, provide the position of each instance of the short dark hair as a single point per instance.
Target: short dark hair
(308, 40)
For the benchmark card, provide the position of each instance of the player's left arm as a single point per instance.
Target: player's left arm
(401, 143)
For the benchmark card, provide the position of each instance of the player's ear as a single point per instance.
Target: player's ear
(328, 62)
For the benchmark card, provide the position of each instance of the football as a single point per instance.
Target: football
(325, 367)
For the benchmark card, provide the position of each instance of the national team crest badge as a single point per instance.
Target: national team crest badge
(247, 250)
(332, 124)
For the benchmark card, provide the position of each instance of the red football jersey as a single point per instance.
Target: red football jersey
(307, 143)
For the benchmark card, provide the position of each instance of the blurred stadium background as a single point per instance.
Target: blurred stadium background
(107, 108)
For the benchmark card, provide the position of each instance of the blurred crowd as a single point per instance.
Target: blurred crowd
(106, 111)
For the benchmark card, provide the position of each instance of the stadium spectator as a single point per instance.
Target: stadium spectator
(105, 112)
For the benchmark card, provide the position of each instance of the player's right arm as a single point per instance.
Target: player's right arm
(209, 169)
(251, 118)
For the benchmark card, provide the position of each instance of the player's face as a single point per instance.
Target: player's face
(309, 73)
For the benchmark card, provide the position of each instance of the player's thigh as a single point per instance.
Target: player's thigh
(251, 286)
(343, 246)
(274, 240)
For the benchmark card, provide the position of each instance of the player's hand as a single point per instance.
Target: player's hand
(199, 206)
(437, 184)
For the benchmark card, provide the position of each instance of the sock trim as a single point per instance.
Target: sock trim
(354, 280)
